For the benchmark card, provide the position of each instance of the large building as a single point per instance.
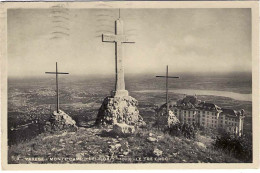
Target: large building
(191, 110)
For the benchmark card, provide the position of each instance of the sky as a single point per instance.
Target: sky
(188, 40)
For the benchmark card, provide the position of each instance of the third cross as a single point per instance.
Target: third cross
(167, 76)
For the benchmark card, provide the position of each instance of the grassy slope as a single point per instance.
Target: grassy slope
(93, 143)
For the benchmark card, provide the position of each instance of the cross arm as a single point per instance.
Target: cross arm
(108, 38)
(56, 73)
(127, 40)
(116, 38)
(169, 76)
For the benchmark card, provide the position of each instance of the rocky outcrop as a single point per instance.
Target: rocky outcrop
(172, 119)
(166, 120)
(119, 110)
(60, 121)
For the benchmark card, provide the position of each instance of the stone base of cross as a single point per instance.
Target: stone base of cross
(119, 93)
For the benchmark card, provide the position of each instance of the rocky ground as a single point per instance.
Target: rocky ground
(101, 145)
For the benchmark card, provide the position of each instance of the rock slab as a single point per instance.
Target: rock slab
(119, 110)
(60, 121)
(123, 129)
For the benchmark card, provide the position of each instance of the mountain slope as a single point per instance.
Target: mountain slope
(101, 145)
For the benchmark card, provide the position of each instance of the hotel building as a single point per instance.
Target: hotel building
(191, 110)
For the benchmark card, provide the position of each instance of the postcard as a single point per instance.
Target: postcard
(129, 85)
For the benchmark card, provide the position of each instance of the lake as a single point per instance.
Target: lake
(233, 95)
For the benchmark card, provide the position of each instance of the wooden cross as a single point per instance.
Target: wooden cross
(57, 84)
(167, 76)
(118, 38)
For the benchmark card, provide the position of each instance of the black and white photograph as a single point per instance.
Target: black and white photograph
(116, 85)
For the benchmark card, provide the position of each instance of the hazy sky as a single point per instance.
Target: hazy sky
(188, 40)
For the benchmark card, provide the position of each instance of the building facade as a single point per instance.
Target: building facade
(208, 115)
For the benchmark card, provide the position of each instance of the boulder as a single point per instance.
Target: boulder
(115, 146)
(123, 129)
(157, 152)
(60, 121)
(200, 144)
(152, 139)
(119, 110)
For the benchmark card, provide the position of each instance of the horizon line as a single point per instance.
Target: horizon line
(137, 74)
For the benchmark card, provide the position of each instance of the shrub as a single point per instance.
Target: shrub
(239, 146)
(187, 130)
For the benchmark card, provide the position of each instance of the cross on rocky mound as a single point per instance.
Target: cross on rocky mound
(119, 107)
(59, 120)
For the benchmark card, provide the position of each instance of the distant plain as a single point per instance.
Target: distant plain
(81, 96)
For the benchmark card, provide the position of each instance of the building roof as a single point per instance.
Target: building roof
(230, 112)
(208, 106)
(192, 103)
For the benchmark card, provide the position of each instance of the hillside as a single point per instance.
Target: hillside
(100, 145)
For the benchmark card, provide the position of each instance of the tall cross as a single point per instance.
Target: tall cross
(167, 77)
(57, 84)
(118, 38)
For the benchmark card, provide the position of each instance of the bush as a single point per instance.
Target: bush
(239, 146)
(183, 129)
